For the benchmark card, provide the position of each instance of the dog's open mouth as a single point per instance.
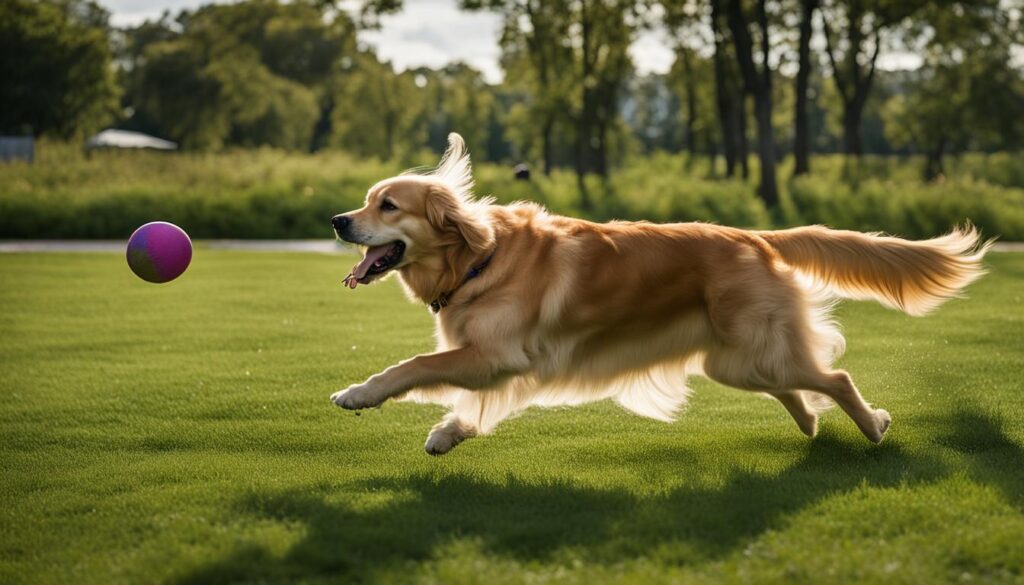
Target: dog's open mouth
(377, 261)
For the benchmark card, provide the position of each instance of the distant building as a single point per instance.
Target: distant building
(17, 148)
(128, 139)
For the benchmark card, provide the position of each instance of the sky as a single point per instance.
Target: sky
(435, 32)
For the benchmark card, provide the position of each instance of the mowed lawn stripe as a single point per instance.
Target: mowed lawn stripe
(182, 433)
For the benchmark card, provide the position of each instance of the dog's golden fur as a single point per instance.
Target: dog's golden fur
(568, 311)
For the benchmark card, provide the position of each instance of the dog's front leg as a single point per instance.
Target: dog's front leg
(466, 367)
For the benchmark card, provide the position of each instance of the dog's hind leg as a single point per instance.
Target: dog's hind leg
(839, 387)
(792, 367)
(795, 402)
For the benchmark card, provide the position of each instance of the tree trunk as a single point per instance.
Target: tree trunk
(584, 121)
(933, 168)
(758, 84)
(601, 150)
(742, 146)
(768, 189)
(323, 129)
(712, 157)
(691, 105)
(855, 86)
(801, 140)
(853, 135)
(546, 143)
(724, 97)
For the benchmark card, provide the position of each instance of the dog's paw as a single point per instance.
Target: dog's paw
(446, 436)
(441, 442)
(882, 421)
(357, 397)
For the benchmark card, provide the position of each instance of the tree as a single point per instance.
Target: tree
(457, 99)
(576, 52)
(854, 31)
(967, 94)
(729, 95)
(695, 80)
(378, 112)
(55, 64)
(252, 73)
(538, 60)
(801, 133)
(604, 38)
(758, 83)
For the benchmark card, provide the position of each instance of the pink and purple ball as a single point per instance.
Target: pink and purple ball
(159, 251)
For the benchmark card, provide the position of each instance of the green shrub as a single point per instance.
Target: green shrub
(908, 209)
(267, 193)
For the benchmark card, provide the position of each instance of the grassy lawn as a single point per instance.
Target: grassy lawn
(183, 434)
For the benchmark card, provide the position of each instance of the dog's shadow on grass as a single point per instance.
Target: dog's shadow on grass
(533, 522)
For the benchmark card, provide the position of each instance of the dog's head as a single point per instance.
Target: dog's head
(418, 218)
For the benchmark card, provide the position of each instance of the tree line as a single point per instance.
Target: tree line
(749, 77)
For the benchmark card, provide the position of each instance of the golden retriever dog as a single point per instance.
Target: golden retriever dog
(536, 309)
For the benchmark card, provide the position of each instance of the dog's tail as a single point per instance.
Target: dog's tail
(914, 277)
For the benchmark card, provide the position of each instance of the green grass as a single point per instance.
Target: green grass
(182, 434)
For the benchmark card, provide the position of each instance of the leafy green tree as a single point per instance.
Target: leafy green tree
(576, 52)
(458, 99)
(378, 112)
(55, 67)
(253, 73)
(967, 94)
(539, 63)
(691, 74)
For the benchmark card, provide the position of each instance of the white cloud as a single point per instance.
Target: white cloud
(435, 32)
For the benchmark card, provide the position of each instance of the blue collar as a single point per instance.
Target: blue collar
(442, 301)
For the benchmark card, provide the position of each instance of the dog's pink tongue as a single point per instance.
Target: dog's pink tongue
(372, 255)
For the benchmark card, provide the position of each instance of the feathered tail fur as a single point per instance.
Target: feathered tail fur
(914, 277)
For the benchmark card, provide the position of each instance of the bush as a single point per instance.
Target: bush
(268, 193)
(907, 209)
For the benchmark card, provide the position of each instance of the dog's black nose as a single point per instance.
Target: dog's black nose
(340, 222)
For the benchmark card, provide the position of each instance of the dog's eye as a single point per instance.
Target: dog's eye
(388, 206)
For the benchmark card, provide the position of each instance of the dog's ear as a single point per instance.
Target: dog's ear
(449, 214)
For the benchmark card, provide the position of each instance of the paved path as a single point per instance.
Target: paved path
(309, 246)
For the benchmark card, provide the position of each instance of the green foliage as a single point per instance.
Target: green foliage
(376, 110)
(56, 77)
(181, 433)
(275, 194)
(457, 99)
(245, 74)
(908, 209)
(967, 95)
(245, 193)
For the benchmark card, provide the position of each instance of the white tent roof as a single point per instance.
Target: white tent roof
(127, 139)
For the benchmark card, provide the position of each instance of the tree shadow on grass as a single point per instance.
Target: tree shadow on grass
(992, 457)
(532, 521)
